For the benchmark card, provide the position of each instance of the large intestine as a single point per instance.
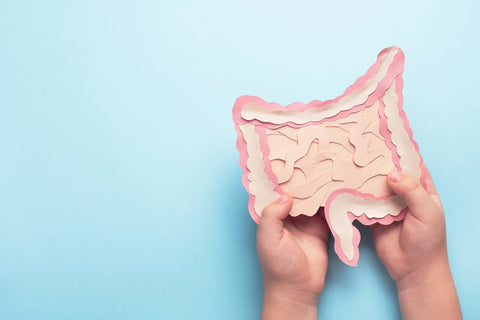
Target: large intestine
(311, 162)
(333, 154)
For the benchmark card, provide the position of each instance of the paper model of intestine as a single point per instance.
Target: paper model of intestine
(334, 154)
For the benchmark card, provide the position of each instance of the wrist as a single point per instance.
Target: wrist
(285, 302)
(291, 295)
(429, 293)
(436, 270)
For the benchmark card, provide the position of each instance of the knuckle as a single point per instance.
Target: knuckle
(268, 211)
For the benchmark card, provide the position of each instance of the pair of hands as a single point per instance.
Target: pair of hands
(293, 255)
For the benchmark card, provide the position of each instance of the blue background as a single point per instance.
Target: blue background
(120, 189)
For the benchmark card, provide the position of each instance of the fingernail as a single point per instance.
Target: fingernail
(396, 176)
(283, 199)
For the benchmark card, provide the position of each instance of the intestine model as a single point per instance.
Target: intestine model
(334, 154)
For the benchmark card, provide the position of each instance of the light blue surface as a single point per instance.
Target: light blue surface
(120, 191)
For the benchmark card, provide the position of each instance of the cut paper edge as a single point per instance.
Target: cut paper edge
(393, 75)
(395, 68)
(408, 129)
(362, 218)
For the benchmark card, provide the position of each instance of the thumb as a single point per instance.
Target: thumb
(416, 197)
(271, 222)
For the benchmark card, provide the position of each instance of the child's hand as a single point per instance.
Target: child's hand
(414, 251)
(418, 243)
(293, 256)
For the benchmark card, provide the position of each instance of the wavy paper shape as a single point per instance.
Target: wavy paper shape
(334, 154)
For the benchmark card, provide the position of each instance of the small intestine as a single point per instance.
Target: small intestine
(348, 152)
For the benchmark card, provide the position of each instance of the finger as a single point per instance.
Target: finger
(322, 225)
(271, 222)
(381, 233)
(431, 189)
(378, 229)
(315, 225)
(385, 237)
(417, 198)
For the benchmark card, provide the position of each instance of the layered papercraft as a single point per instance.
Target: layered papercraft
(334, 154)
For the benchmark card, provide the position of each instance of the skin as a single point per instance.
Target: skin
(293, 256)
(414, 251)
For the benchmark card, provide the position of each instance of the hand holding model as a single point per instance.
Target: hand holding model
(293, 256)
